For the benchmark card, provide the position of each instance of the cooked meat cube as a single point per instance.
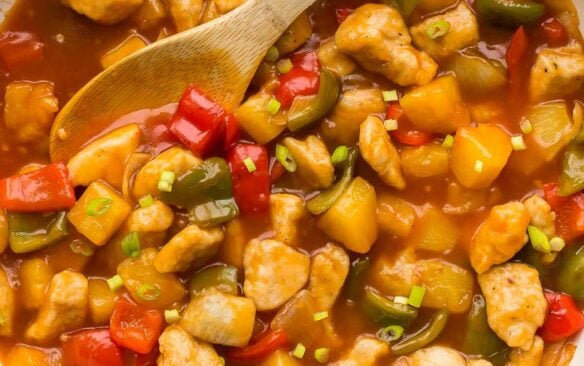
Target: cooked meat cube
(541, 214)
(314, 161)
(185, 14)
(328, 272)
(104, 11)
(530, 357)
(7, 305)
(179, 348)
(286, 210)
(366, 351)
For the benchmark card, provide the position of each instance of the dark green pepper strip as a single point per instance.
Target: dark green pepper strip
(424, 336)
(572, 177)
(570, 277)
(30, 232)
(207, 192)
(353, 284)
(510, 12)
(479, 339)
(305, 111)
(221, 277)
(326, 199)
(385, 312)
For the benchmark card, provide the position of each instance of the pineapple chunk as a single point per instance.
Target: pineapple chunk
(130, 45)
(425, 161)
(434, 231)
(286, 210)
(331, 58)
(23, 355)
(394, 216)
(7, 305)
(257, 121)
(101, 301)
(3, 231)
(280, 358)
(34, 274)
(231, 250)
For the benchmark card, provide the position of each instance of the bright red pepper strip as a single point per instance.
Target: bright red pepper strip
(93, 347)
(569, 212)
(44, 190)
(564, 318)
(554, 32)
(251, 189)
(269, 343)
(302, 80)
(135, 327)
(406, 133)
(515, 57)
(17, 48)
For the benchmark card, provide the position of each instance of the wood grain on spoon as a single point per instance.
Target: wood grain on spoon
(220, 56)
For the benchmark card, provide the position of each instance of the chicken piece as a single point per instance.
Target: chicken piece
(274, 273)
(155, 218)
(297, 34)
(541, 214)
(7, 305)
(179, 348)
(557, 72)
(378, 151)
(331, 58)
(286, 210)
(175, 159)
(65, 307)
(516, 305)
(499, 237)
(220, 318)
(104, 11)
(29, 110)
(3, 231)
(559, 353)
(377, 37)
(190, 245)
(438, 356)
(314, 161)
(366, 351)
(330, 267)
(342, 126)
(105, 158)
(531, 357)
(463, 32)
(185, 14)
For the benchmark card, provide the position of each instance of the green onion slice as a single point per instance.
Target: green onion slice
(478, 166)
(274, 106)
(299, 351)
(171, 316)
(284, 156)
(146, 201)
(557, 244)
(518, 143)
(249, 164)
(526, 126)
(2, 319)
(99, 206)
(340, 155)
(115, 283)
(390, 96)
(390, 333)
(390, 124)
(321, 315)
(400, 300)
(448, 142)
(285, 66)
(438, 29)
(79, 247)
(416, 296)
(273, 54)
(539, 241)
(131, 245)
(148, 292)
(322, 355)
(166, 181)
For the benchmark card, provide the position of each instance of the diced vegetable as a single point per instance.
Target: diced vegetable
(385, 312)
(255, 119)
(94, 347)
(434, 231)
(43, 190)
(134, 327)
(485, 143)
(564, 318)
(424, 337)
(461, 200)
(426, 161)
(331, 58)
(555, 33)
(477, 74)
(231, 250)
(539, 240)
(18, 48)
(7, 305)
(132, 44)
(34, 274)
(406, 133)
(268, 344)
(352, 219)
(447, 285)
(353, 284)
(99, 228)
(571, 272)
(479, 339)
(296, 35)
(572, 177)
(221, 277)
(510, 12)
(30, 232)
(322, 354)
(251, 189)
(302, 80)
(102, 300)
(26, 355)
(569, 212)
(394, 216)
(315, 168)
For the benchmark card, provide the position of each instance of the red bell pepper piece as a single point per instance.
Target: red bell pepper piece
(135, 327)
(251, 187)
(232, 131)
(269, 343)
(406, 133)
(17, 48)
(555, 33)
(569, 212)
(515, 57)
(564, 318)
(342, 14)
(92, 347)
(44, 190)
(303, 79)
(277, 170)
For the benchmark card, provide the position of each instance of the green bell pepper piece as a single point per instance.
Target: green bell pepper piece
(572, 177)
(510, 12)
(358, 269)
(206, 192)
(570, 275)
(307, 110)
(221, 277)
(30, 232)
(423, 337)
(479, 339)
(384, 311)
(326, 199)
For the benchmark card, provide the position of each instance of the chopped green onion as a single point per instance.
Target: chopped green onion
(274, 106)
(79, 247)
(322, 355)
(340, 155)
(171, 316)
(416, 296)
(146, 201)
(299, 351)
(99, 206)
(400, 300)
(285, 66)
(2, 319)
(526, 126)
(273, 54)
(390, 124)
(557, 244)
(438, 29)
(166, 181)
(148, 292)
(285, 158)
(539, 241)
(249, 164)
(448, 141)
(321, 315)
(518, 143)
(390, 96)
(478, 166)
(115, 283)
(131, 245)
(390, 333)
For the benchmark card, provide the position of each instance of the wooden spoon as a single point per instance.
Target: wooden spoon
(220, 56)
